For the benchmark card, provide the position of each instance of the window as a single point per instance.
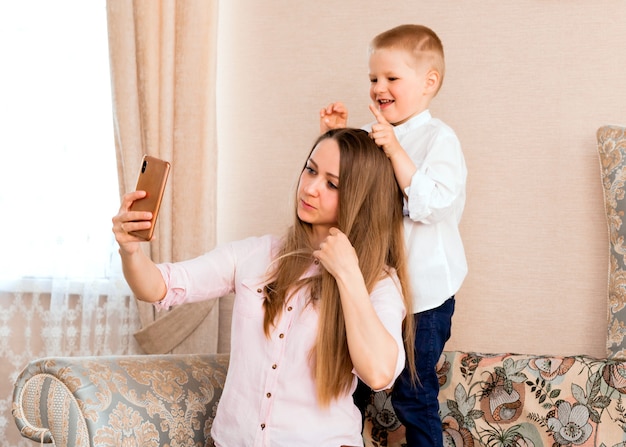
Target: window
(58, 178)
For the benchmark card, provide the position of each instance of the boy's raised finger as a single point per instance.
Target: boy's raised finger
(379, 116)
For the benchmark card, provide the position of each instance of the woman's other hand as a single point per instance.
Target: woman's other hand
(337, 255)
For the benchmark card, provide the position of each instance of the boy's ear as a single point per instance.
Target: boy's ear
(433, 79)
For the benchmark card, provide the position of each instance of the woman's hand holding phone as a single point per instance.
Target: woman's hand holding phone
(136, 218)
(127, 221)
(152, 179)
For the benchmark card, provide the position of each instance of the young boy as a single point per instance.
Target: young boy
(406, 67)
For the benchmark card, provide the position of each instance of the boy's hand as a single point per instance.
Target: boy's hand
(334, 116)
(383, 134)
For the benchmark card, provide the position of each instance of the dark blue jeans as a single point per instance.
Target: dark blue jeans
(417, 405)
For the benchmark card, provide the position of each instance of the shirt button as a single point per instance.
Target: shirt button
(281, 336)
(268, 395)
(274, 366)
(259, 290)
(289, 309)
(316, 262)
(262, 426)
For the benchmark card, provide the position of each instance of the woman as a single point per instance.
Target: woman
(312, 312)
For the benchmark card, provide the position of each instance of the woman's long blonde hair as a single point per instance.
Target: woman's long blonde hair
(370, 214)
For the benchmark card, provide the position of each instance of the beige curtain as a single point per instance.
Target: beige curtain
(163, 55)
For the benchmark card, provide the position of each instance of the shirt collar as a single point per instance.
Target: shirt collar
(418, 120)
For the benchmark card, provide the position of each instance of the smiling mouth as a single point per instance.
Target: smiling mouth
(385, 102)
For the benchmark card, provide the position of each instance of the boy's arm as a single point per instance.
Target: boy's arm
(384, 136)
(334, 116)
(438, 187)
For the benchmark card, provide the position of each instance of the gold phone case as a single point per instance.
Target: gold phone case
(152, 179)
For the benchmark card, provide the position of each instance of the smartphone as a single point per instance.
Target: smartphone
(152, 179)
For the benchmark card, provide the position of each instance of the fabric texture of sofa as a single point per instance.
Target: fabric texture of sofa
(145, 400)
(513, 400)
(612, 153)
(171, 400)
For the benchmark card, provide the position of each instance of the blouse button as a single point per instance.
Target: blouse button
(274, 366)
(289, 309)
(316, 262)
(281, 336)
(259, 290)
(268, 395)
(262, 426)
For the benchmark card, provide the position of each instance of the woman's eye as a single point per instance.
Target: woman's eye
(331, 185)
(309, 170)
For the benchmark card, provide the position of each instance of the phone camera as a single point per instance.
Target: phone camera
(143, 166)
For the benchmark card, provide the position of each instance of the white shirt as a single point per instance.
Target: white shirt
(436, 198)
(269, 398)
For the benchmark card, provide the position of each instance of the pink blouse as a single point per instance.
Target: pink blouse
(269, 397)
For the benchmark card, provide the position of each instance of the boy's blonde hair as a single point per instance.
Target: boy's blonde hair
(421, 42)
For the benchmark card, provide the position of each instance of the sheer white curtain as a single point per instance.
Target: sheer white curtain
(61, 292)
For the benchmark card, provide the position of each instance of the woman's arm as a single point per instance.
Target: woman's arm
(373, 350)
(142, 275)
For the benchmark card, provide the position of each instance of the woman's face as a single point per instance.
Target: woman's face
(318, 189)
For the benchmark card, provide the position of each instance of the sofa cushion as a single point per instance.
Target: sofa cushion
(518, 400)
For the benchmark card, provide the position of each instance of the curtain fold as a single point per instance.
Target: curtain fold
(163, 65)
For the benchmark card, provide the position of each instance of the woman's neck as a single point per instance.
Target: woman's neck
(318, 235)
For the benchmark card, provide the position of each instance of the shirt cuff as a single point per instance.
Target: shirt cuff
(175, 288)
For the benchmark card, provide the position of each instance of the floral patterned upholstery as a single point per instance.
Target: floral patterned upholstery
(612, 152)
(170, 400)
(148, 401)
(513, 400)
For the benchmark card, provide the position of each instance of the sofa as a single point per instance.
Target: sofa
(171, 400)
(503, 399)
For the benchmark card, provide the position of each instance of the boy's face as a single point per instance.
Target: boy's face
(398, 86)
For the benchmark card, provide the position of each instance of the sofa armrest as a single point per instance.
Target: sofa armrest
(147, 399)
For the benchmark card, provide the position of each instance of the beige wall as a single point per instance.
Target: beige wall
(528, 83)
